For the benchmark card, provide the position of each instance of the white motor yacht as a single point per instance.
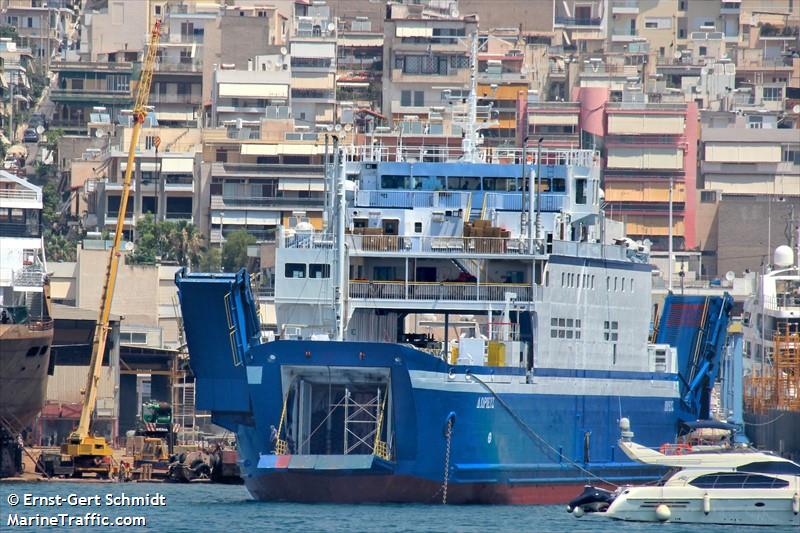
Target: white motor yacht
(736, 486)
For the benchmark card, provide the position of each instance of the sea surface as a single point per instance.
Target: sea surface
(227, 509)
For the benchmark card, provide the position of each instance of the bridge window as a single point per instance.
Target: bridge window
(295, 270)
(463, 183)
(727, 480)
(498, 184)
(559, 185)
(580, 191)
(394, 182)
(318, 270)
(771, 467)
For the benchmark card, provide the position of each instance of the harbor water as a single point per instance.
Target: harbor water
(206, 507)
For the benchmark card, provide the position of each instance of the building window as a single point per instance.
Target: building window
(221, 156)
(417, 227)
(131, 337)
(708, 197)
(319, 270)
(703, 50)
(157, 10)
(755, 122)
(419, 98)
(611, 330)
(791, 154)
(296, 270)
(773, 94)
(405, 98)
(565, 328)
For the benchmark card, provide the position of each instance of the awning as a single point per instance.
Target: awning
(350, 41)
(147, 166)
(254, 90)
(177, 165)
(281, 149)
(259, 218)
(167, 116)
(414, 31)
(358, 84)
(301, 185)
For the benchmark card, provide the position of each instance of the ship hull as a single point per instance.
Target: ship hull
(775, 430)
(529, 444)
(310, 488)
(24, 361)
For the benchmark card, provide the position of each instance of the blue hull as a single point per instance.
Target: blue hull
(515, 438)
(493, 457)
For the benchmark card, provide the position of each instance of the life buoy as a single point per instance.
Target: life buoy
(675, 449)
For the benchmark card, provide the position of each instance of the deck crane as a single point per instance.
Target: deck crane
(91, 453)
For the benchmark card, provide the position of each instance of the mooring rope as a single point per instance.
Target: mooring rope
(535, 436)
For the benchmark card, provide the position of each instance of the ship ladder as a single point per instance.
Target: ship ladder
(282, 445)
(380, 447)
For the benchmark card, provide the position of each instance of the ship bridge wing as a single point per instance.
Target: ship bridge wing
(221, 324)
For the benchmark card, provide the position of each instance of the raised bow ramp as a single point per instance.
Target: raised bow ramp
(221, 323)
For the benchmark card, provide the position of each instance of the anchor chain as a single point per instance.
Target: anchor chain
(448, 436)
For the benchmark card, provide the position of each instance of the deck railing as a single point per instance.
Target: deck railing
(442, 244)
(398, 290)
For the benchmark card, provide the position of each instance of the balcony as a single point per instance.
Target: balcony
(179, 215)
(380, 245)
(178, 66)
(625, 7)
(267, 170)
(575, 21)
(370, 291)
(264, 202)
(179, 184)
(91, 95)
(624, 36)
(173, 98)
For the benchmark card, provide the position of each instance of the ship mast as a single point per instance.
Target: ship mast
(341, 257)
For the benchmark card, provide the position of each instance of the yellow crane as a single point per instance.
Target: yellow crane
(90, 453)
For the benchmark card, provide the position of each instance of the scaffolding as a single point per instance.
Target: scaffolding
(777, 384)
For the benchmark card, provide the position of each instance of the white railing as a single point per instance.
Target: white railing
(29, 276)
(437, 244)
(390, 153)
(409, 199)
(16, 194)
(471, 292)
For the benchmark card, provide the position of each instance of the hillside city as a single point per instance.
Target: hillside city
(692, 108)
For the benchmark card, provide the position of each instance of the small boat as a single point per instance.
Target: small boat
(736, 485)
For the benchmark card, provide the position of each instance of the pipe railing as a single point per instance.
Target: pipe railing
(448, 291)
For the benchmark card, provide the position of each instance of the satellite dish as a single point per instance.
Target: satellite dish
(730, 275)
(284, 50)
(796, 109)
(331, 26)
(40, 129)
(348, 127)
(677, 54)
(129, 246)
(338, 127)
(99, 134)
(278, 63)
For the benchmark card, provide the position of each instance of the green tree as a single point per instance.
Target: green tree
(234, 251)
(210, 260)
(179, 242)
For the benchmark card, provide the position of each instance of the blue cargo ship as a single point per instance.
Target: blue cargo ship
(461, 330)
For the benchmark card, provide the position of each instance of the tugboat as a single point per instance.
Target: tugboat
(26, 328)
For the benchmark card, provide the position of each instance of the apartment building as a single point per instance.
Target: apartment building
(241, 99)
(650, 150)
(38, 27)
(163, 180)
(118, 27)
(421, 58)
(359, 63)
(237, 35)
(581, 25)
(176, 92)
(258, 184)
(82, 86)
(313, 66)
(14, 81)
